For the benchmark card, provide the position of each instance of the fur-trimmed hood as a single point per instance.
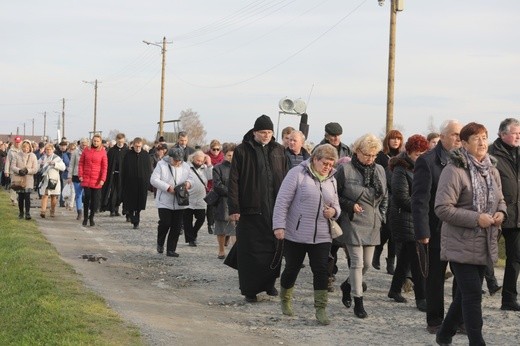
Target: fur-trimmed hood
(458, 158)
(402, 160)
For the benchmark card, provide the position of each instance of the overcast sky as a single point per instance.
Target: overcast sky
(233, 60)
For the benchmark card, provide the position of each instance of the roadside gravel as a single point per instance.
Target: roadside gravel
(194, 299)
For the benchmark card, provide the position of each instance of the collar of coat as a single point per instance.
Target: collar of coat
(458, 159)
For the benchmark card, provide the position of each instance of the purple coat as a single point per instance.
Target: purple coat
(299, 205)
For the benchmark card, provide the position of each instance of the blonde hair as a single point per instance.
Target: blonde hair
(367, 142)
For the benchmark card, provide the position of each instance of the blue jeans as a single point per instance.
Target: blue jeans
(78, 197)
(466, 305)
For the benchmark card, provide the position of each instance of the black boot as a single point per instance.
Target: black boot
(377, 255)
(85, 216)
(359, 310)
(390, 267)
(346, 299)
(91, 219)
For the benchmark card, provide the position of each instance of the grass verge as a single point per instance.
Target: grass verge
(42, 300)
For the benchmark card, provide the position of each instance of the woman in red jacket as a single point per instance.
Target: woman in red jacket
(92, 173)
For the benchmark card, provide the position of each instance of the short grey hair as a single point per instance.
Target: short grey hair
(196, 154)
(300, 133)
(446, 125)
(506, 124)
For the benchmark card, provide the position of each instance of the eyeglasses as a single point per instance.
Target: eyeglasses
(215, 149)
(368, 156)
(326, 164)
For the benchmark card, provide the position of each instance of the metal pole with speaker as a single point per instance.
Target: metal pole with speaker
(296, 107)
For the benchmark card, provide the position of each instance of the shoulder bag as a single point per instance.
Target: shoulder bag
(181, 192)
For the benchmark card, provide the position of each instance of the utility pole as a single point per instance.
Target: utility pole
(32, 133)
(161, 109)
(24, 129)
(95, 83)
(395, 5)
(63, 117)
(44, 126)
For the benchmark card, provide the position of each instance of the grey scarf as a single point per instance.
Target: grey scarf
(483, 194)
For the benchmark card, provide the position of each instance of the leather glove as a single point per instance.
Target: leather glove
(23, 172)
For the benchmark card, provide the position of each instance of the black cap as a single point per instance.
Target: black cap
(263, 123)
(333, 129)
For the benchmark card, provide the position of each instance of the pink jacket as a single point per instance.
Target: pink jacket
(93, 167)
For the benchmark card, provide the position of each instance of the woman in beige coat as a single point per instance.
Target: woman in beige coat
(25, 164)
(50, 165)
(470, 203)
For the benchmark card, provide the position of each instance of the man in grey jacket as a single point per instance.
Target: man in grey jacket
(506, 149)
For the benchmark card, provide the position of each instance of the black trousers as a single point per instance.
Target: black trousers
(466, 305)
(407, 258)
(113, 202)
(512, 241)
(435, 288)
(170, 222)
(294, 254)
(191, 229)
(135, 216)
(210, 215)
(24, 200)
(386, 236)
(91, 200)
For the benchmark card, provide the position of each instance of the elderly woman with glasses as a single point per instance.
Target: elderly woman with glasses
(363, 197)
(471, 206)
(306, 201)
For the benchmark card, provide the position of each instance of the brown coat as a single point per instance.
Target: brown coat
(462, 241)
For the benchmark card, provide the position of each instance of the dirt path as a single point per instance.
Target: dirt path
(194, 299)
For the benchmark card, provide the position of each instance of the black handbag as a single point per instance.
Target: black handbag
(182, 195)
(212, 198)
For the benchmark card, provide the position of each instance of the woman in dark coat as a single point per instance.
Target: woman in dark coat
(392, 146)
(135, 178)
(401, 222)
(223, 226)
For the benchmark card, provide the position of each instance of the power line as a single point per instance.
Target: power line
(342, 19)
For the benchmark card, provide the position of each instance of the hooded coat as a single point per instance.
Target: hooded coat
(92, 167)
(462, 240)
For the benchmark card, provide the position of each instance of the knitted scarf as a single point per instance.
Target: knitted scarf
(370, 179)
(483, 194)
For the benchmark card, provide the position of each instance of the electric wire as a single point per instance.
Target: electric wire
(342, 19)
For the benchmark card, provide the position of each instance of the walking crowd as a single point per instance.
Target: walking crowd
(437, 202)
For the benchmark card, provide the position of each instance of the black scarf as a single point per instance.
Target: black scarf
(370, 178)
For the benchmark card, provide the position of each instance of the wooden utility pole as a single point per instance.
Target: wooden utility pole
(163, 67)
(32, 133)
(95, 83)
(45, 126)
(391, 71)
(63, 118)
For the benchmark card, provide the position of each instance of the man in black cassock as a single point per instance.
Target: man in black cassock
(135, 179)
(111, 192)
(257, 170)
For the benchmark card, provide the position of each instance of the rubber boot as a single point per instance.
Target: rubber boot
(91, 219)
(390, 267)
(359, 310)
(85, 217)
(286, 300)
(320, 303)
(377, 255)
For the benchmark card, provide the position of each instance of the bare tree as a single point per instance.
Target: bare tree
(112, 134)
(431, 125)
(191, 124)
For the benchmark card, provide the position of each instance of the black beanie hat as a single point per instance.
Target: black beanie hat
(263, 123)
